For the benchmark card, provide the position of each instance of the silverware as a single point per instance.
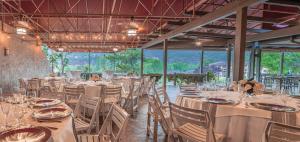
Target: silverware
(50, 120)
(52, 128)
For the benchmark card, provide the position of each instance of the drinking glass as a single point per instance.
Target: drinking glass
(5, 107)
(276, 89)
(19, 112)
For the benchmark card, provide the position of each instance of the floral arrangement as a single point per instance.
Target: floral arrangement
(95, 78)
(251, 86)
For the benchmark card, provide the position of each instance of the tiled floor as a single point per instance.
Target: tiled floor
(137, 127)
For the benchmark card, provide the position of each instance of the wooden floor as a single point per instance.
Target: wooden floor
(136, 129)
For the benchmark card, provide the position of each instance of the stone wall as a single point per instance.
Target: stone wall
(25, 59)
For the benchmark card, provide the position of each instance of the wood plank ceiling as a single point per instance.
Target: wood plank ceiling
(101, 25)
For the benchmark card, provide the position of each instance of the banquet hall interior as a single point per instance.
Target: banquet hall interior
(150, 71)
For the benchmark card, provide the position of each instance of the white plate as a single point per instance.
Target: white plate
(51, 113)
(46, 102)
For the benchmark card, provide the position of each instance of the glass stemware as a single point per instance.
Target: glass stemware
(19, 112)
(5, 107)
(284, 95)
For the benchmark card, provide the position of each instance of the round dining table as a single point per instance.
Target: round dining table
(242, 122)
(61, 130)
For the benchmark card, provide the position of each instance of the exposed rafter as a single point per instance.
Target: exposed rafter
(218, 14)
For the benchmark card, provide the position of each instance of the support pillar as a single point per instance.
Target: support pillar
(89, 61)
(228, 65)
(281, 63)
(240, 44)
(201, 60)
(142, 62)
(165, 64)
(251, 64)
(258, 65)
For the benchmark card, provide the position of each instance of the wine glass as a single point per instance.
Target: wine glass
(284, 95)
(19, 112)
(276, 89)
(5, 107)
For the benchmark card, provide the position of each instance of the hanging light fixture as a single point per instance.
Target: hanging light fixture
(115, 49)
(132, 30)
(22, 26)
(21, 31)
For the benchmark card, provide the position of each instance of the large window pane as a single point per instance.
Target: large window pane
(270, 62)
(291, 63)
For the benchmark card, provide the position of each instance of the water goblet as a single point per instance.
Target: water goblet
(19, 112)
(5, 107)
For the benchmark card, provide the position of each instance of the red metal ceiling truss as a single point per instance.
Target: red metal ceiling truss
(108, 20)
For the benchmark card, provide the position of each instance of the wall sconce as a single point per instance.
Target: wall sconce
(6, 51)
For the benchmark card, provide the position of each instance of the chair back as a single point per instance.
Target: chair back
(278, 132)
(114, 124)
(54, 84)
(33, 84)
(161, 95)
(112, 91)
(85, 107)
(181, 115)
(73, 92)
(22, 83)
(188, 88)
(155, 108)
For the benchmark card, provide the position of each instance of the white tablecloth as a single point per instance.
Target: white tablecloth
(64, 133)
(240, 123)
(92, 88)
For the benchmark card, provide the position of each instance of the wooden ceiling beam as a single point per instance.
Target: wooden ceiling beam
(209, 35)
(233, 17)
(216, 15)
(288, 3)
(180, 23)
(286, 32)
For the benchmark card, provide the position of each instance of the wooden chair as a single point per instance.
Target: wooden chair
(33, 87)
(158, 115)
(112, 129)
(86, 106)
(132, 97)
(110, 94)
(162, 96)
(192, 125)
(189, 88)
(278, 132)
(51, 90)
(72, 94)
(22, 83)
(150, 84)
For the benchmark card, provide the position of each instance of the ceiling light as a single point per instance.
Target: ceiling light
(21, 31)
(115, 49)
(60, 49)
(198, 43)
(132, 32)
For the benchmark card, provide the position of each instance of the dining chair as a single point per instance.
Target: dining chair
(189, 88)
(33, 87)
(131, 99)
(158, 115)
(192, 125)
(162, 96)
(112, 129)
(278, 132)
(86, 113)
(22, 83)
(72, 94)
(110, 94)
(150, 84)
(145, 83)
